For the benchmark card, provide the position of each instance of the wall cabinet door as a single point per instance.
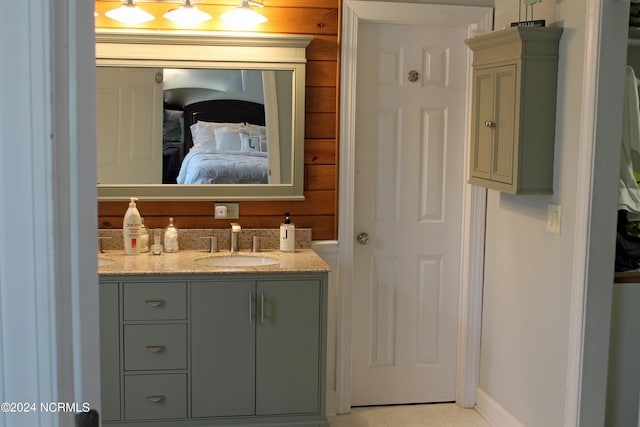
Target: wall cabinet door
(506, 110)
(109, 352)
(494, 123)
(482, 142)
(222, 348)
(288, 347)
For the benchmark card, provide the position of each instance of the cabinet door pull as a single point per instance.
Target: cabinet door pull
(490, 124)
(261, 308)
(155, 399)
(155, 302)
(155, 348)
(250, 307)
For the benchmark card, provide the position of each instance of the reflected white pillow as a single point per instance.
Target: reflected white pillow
(228, 139)
(203, 137)
(203, 133)
(257, 130)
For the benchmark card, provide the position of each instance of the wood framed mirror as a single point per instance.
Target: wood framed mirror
(200, 116)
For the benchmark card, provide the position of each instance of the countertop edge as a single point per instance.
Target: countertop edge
(185, 263)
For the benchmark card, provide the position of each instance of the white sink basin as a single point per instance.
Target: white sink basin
(238, 261)
(105, 261)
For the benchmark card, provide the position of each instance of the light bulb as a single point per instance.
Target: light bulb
(129, 13)
(187, 14)
(243, 16)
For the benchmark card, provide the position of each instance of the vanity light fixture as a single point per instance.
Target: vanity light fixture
(187, 14)
(129, 13)
(244, 15)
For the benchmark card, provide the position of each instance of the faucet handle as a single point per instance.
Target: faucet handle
(213, 243)
(256, 244)
(100, 240)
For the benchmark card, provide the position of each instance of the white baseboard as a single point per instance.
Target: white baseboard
(494, 412)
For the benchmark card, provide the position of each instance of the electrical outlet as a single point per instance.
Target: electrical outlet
(554, 215)
(232, 210)
(220, 211)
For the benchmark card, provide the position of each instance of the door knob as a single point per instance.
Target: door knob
(363, 238)
(413, 76)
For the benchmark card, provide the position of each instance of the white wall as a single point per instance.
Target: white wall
(48, 279)
(529, 271)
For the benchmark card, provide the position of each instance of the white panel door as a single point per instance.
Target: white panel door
(409, 181)
(129, 125)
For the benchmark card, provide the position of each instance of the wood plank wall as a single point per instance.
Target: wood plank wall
(320, 18)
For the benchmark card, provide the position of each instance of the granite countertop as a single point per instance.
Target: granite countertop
(184, 262)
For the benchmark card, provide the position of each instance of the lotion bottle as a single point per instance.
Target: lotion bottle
(171, 238)
(287, 235)
(131, 229)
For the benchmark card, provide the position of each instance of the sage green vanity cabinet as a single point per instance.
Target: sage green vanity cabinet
(513, 109)
(215, 350)
(109, 351)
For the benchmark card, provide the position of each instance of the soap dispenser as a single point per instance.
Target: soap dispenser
(287, 235)
(171, 238)
(131, 229)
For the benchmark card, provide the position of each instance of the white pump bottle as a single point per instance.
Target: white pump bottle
(131, 229)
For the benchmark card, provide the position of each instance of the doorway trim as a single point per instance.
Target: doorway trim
(595, 221)
(476, 20)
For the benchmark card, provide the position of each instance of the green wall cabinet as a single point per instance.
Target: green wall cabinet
(513, 109)
(241, 350)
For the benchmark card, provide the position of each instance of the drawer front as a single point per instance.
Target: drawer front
(153, 397)
(155, 301)
(154, 347)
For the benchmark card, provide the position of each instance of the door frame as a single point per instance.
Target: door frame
(476, 20)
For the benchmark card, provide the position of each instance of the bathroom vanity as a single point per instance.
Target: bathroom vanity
(190, 343)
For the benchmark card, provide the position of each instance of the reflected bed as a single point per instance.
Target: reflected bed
(225, 142)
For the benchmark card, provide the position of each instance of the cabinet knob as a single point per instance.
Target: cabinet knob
(155, 399)
(490, 124)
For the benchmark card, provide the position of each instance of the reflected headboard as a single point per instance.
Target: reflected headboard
(223, 111)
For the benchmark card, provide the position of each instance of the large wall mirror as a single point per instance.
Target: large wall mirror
(200, 115)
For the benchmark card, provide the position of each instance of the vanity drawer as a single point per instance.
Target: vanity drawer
(154, 347)
(155, 397)
(155, 301)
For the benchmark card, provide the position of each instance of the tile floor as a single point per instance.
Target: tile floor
(436, 415)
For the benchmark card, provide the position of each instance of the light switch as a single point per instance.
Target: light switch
(554, 215)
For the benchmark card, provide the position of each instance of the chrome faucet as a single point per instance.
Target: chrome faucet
(235, 230)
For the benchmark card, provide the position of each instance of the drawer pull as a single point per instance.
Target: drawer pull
(155, 302)
(155, 399)
(155, 348)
